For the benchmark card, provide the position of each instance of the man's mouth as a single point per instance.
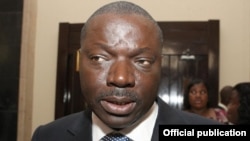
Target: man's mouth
(118, 106)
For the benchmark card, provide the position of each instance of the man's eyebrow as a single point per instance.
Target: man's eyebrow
(140, 50)
(110, 49)
(93, 46)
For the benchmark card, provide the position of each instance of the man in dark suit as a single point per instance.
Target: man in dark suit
(120, 72)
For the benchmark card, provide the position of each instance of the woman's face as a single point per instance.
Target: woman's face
(198, 96)
(232, 113)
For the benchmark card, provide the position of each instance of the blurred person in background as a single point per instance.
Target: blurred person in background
(225, 94)
(196, 101)
(239, 104)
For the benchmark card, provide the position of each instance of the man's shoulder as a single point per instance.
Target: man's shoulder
(64, 128)
(68, 121)
(70, 117)
(65, 120)
(192, 118)
(170, 115)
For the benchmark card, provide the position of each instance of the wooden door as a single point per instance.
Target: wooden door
(191, 49)
(68, 93)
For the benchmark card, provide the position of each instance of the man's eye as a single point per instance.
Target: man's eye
(97, 58)
(144, 63)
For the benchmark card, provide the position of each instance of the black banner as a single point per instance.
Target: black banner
(202, 132)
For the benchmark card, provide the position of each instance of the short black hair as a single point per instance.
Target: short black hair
(121, 8)
(225, 94)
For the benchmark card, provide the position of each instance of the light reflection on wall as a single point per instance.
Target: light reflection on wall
(175, 100)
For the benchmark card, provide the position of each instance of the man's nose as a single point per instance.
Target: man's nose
(121, 74)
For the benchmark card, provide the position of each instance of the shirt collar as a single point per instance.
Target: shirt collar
(99, 129)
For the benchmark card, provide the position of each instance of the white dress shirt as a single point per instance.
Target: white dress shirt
(140, 132)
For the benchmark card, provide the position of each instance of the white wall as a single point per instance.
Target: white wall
(234, 16)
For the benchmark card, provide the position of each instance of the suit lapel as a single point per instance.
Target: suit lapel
(82, 129)
(166, 115)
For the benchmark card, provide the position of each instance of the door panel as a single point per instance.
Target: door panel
(176, 74)
(191, 49)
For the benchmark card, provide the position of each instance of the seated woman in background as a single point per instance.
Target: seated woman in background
(196, 101)
(239, 104)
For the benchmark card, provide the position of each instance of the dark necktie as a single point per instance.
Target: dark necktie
(114, 136)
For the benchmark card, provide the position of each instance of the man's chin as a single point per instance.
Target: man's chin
(117, 123)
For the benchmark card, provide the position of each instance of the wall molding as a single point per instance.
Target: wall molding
(25, 106)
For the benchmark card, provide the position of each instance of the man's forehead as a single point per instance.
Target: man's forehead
(112, 17)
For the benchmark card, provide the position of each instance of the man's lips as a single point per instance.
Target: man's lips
(119, 106)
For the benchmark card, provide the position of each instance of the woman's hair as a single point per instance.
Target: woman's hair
(243, 90)
(186, 104)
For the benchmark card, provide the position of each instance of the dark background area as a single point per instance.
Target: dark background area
(10, 46)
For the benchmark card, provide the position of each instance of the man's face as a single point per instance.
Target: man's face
(120, 68)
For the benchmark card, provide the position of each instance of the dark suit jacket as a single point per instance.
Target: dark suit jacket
(77, 127)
